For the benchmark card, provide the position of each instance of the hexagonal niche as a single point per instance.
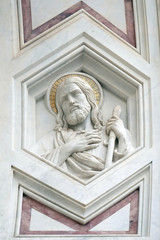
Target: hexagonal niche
(118, 88)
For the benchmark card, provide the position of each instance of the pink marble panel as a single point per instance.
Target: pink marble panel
(78, 228)
(30, 33)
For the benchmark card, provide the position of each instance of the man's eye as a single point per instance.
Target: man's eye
(76, 93)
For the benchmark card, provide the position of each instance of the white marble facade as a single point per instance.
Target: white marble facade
(128, 76)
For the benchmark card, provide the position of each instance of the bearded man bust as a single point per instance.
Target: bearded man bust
(78, 143)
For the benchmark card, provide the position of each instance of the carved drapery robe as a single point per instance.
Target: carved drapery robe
(82, 164)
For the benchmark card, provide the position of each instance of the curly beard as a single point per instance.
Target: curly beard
(78, 115)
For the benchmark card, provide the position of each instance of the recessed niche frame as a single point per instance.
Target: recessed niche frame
(118, 86)
(35, 121)
(30, 86)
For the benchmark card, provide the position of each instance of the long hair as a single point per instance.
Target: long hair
(96, 116)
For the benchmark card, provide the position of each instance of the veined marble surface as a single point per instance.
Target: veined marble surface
(44, 11)
(83, 45)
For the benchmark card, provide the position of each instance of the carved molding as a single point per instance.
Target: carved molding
(30, 33)
(78, 212)
(78, 229)
(72, 22)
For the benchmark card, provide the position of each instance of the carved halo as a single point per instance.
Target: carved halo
(51, 92)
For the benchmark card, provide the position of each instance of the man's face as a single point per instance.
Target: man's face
(74, 104)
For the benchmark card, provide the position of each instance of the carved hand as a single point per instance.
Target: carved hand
(116, 125)
(83, 142)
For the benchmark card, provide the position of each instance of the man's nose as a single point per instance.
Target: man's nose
(71, 99)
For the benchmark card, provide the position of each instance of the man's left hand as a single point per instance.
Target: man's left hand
(116, 125)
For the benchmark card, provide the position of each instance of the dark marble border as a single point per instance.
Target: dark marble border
(78, 229)
(30, 34)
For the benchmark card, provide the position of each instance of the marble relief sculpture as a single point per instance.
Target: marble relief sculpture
(82, 143)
